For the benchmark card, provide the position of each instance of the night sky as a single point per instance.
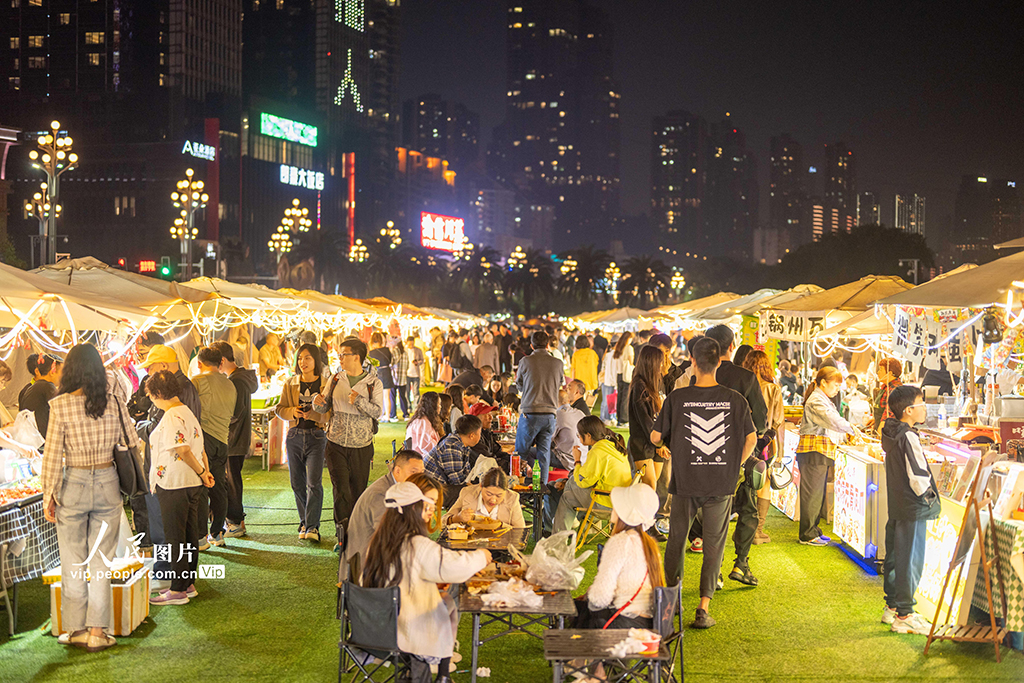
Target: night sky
(922, 92)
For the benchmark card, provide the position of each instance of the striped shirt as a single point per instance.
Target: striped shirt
(74, 439)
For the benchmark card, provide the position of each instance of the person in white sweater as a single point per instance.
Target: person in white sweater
(402, 554)
(631, 566)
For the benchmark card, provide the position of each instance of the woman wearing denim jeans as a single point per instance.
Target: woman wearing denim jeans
(82, 495)
(306, 439)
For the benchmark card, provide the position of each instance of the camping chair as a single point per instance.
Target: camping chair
(594, 519)
(668, 624)
(369, 625)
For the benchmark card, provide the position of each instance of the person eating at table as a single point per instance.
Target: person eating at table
(488, 445)
(402, 554)
(453, 457)
(490, 498)
(369, 507)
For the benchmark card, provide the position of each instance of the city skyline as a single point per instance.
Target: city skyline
(915, 102)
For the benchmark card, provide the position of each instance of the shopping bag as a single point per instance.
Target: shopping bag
(25, 431)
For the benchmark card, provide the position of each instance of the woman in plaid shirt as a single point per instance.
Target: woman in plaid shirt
(815, 450)
(81, 493)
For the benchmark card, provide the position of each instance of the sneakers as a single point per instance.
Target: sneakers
(913, 623)
(302, 533)
(819, 541)
(656, 535)
(169, 598)
(235, 530)
(888, 615)
(720, 584)
(217, 540)
(312, 535)
(204, 543)
(697, 546)
(702, 619)
(743, 575)
(191, 592)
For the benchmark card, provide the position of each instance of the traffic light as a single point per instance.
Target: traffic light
(166, 271)
(121, 263)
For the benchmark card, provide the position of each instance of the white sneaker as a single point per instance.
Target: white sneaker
(888, 614)
(913, 623)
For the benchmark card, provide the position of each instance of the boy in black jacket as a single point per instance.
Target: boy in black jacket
(913, 500)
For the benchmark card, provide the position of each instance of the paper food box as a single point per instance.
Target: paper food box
(130, 604)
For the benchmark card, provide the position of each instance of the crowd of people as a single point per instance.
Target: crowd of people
(704, 420)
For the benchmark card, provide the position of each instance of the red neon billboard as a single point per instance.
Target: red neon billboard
(441, 232)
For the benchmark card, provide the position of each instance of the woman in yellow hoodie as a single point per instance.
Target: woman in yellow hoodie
(604, 467)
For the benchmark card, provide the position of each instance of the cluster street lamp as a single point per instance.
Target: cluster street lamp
(393, 234)
(189, 197)
(569, 265)
(464, 250)
(357, 253)
(612, 274)
(39, 208)
(296, 219)
(517, 259)
(54, 157)
(678, 281)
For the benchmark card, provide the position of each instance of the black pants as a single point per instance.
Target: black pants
(213, 504)
(179, 509)
(596, 619)
(745, 504)
(350, 473)
(813, 475)
(716, 512)
(621, 402)
(904, 561)
(235, 512)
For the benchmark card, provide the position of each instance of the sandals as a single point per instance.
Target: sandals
(79, 639)
(101, 642)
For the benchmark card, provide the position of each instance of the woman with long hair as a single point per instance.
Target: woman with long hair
(444, 409)
(458, 405)
(644, 405)
(623, 355)
(787, 380)
(490, 498)
(306, 439)
(402, 554)
(759, 363)
(816, 449)
(425, 428)
(607, 467)
(81, 492)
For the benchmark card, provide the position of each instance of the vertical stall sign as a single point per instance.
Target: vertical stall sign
(940, 544)
(851, 494)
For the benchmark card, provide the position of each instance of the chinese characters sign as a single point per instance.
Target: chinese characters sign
(300, 177)
(851, 492)
(286, 129)
(200, 151)
(442, 232)
(792, 325)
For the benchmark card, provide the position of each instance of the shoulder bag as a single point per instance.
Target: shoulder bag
(128, 460)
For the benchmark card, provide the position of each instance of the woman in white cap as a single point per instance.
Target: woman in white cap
(402, 554)
(622, 595)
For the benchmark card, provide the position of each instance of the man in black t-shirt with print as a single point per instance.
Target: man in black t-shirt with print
(709, 432)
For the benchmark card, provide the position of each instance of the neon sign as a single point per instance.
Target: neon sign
(442, 232)
(200, 151)
(300, 177)
(286, 129)
(147, 266)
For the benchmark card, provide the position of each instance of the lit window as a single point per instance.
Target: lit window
(17, 64)
(37, 62)
(35, 41)
(14, 83)
(65, 19)
(15, 42)
(94, 59)
(94, 38)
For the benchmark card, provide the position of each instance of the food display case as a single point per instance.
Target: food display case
(861, 506)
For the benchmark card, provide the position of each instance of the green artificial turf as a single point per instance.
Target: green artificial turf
(815, 617)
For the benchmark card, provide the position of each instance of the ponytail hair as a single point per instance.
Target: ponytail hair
(595, 428)
(826, 373)
(652, 553)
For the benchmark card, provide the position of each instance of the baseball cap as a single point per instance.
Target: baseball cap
(480, 408)
(635, 505)
(159, 354)
(402, 494)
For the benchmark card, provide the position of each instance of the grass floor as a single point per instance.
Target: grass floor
(815, 617)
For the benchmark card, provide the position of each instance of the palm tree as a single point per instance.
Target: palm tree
(645, 280)
(532, 277)
(586, 277)
(478, 269)
(327, 248)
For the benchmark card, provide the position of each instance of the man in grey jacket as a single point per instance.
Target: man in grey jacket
(539, 378)
(356, 396)
(370, 507)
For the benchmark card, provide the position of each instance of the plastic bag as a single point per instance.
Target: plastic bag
(25, 431)
(511, 593)
(554, 565)
(483, 465)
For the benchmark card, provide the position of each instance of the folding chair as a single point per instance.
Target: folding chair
(593, 520)
(668, 621)
(369, 623)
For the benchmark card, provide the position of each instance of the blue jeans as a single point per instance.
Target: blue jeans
(536, 429)
(306, 472)
(606, 392)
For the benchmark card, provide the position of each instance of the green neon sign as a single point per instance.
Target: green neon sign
(286, 129)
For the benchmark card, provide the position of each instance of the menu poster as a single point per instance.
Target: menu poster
(940, 545)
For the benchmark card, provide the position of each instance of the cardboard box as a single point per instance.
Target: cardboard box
(130, 605)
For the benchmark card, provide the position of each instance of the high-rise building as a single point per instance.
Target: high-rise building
(679, 157)
(909, 214)
(840, 186)
(788, 194)
(732, 194)
(558, 144)
(441, 128)
(868, 209)
(133, 81)
(1007, 219)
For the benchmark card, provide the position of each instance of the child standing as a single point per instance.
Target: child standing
(913, 500)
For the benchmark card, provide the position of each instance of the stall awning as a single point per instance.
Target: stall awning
(974, 288)
(853, 296)
(728, 309)
(695, 305)
(861, 325)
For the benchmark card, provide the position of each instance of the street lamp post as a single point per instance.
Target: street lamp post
(39, 207)
(54, 157)
(296, 219)
(612, 274)
(189, 197)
